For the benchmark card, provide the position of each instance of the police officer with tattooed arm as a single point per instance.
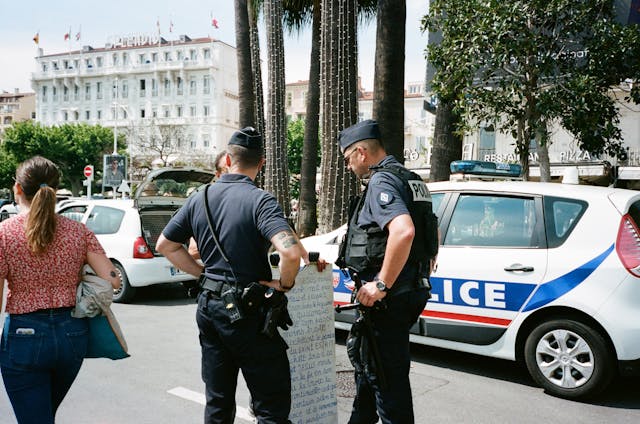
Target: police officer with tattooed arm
(389, 247)
(234, 224)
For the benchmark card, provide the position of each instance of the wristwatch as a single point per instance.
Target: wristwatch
(382, 286)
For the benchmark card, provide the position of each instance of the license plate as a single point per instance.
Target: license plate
(176, 271)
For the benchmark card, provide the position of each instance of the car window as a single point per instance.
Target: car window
(492, 221)
(74, 212)
(105, 220)
(436, 201)
(561, 217)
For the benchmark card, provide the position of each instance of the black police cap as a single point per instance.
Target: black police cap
(365, 130)
(247, 137)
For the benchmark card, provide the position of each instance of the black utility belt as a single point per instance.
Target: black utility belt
(217, 287)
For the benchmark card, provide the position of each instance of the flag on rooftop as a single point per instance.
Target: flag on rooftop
(78, 34)
(36, 38)
(67, 35)
(170, 26)
(214, 21)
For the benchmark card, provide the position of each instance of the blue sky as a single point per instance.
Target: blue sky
(97, 20)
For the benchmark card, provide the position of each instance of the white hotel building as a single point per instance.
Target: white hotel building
(138, 82)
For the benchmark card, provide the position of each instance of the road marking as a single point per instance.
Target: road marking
(184, 393)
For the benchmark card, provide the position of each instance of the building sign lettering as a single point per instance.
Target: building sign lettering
(132, 40)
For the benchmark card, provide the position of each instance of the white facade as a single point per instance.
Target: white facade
(139, 82)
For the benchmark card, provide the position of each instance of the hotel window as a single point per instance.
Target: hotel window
(179, 109)
(167, 56)
(76, 64)
(125, 58)
(154, 87)
(87, 115)
(193, 86)
(205, 140)
(192, 110)
(65, 116)
(192, 54)
(114, 90)
(167, 86)
(114, 59)
(154, 112)
(143, 85)
(99, 61)
(87, 91)
(113, 114)
(99, 114)
(205, 111)
(124, 114)
(88, 63)
(193, 143)
(154, 57)
(45, 66)
(54, 93)
(180, 86)
(65, 64)
(142, 113)
(141, 58)
(44, 93)
(76, 115)
(206, 53)
(76, 92)
(289, 99)
(206, 84)
(125, 89)
(55, 65)
(179, 55)
(65, 93)
(98, 90)
(165, 111)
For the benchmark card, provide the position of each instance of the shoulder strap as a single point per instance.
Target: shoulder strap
(213, 233)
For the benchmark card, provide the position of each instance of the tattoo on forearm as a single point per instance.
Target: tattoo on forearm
(288, 239)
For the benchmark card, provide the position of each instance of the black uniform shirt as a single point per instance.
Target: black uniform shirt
(386, 198)
(244, 217)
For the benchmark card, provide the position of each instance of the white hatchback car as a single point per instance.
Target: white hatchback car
(128, 229)
(545, 273)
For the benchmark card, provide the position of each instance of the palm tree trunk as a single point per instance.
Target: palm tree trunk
(276, 172)
(245, 77)
(253, 13)
(340, 107)
(388, 88)
(447, 144)
(307, 215)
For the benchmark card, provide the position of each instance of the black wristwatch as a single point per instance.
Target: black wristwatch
(382, 286)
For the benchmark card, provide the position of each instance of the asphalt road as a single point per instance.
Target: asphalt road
(161, 383)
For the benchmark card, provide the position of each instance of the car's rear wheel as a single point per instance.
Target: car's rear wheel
(125, 293)
(569, 359)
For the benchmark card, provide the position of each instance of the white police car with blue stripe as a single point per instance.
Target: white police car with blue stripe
(545, 273)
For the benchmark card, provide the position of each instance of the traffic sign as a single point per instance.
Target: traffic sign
(88, 171)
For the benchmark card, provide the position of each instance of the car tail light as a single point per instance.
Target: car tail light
(628, 245)
(141, 249)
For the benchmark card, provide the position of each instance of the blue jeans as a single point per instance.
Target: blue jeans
(41, 353)
(228, 348)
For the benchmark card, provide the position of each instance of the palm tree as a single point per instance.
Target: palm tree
(276, 171)
(245, 78)
(297, 14)
(254, 7)
(339, 100)
(388, 101)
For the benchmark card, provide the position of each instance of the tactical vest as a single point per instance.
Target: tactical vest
(363, 248)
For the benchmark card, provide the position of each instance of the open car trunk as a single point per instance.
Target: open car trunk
(162, 193)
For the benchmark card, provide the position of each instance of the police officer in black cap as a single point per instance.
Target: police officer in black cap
(384, 245)
(245, 221)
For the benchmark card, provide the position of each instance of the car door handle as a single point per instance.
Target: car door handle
(519, 267)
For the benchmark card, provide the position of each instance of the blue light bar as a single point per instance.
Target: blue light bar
(481, 168)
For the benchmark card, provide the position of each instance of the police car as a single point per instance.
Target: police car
(543, 273)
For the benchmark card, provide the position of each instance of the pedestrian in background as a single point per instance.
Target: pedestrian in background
(246, 221)
(41, 256)
(384, 246)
